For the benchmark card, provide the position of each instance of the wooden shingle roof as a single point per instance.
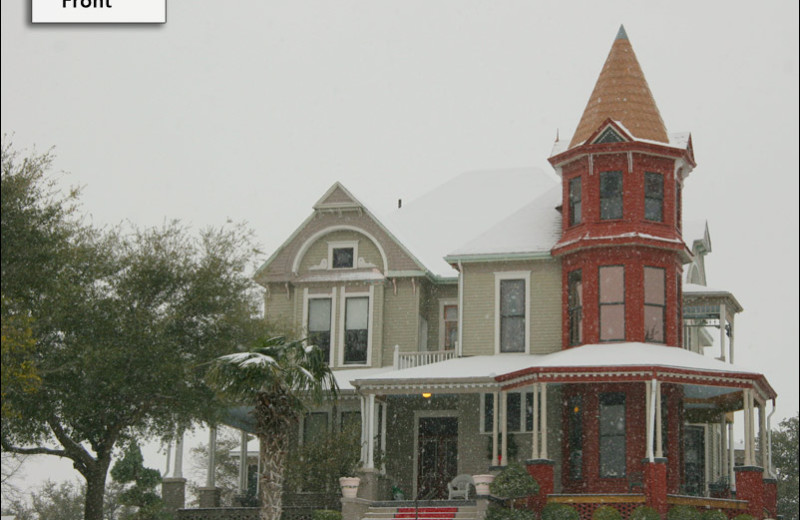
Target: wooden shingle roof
(622, 94)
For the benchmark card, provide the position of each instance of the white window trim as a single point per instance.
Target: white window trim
(522, 411)
(332, 296)
(442, 304)
(370, 328)
(342, 244)
(512, 275)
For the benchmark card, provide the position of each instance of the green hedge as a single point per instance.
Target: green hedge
(713, 514)
(683, 513)
(504, 513)
(644, 513)
(326, 514)
(606, 513)
(560, 512)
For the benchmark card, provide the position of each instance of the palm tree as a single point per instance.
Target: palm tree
(280, 379)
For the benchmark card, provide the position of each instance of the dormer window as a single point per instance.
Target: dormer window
(342, 255)
(610, 195)
(609, 135)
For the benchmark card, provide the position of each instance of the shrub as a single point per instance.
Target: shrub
(326, 514)
(644, 513)
(683, 513)
(743, 516)
(514, 482)
(503, 513)
(560, 512)
(606, 513)
(713, 514)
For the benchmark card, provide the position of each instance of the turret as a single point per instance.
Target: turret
(621, 246)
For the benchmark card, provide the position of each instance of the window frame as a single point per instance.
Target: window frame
(342, 244)
(662, 305)
(509, 276)
(575, 201)
(307, 297)
(650, 196)
(524, 413)
(344, 296)
(444, 304)
(619, 194)
(601, 304)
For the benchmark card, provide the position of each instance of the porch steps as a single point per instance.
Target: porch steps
(465, 510)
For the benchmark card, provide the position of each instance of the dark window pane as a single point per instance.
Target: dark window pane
(512, 297)
(512, 315)
(653, 196)
(612, 435)
(575, 201)
(512, 334)
(575, 437)
(610, 195)
(342, 257)
(575, 307)
(488, 413)
(319, 325)
(356, 331)
(513, 411)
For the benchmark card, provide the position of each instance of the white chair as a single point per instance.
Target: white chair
(459, 487)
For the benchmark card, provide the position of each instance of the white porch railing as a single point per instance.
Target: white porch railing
(417, 359)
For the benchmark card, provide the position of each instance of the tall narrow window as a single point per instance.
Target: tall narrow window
(319, 325)
(610, 195)
(654, 304)
(512, 315)
(612, 303)
(575, 201)
(356, 330)
(450, 319)
(575, 307)
(612, 435)
(575, 437)
(653, 196)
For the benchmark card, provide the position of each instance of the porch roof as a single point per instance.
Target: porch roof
(601, 362)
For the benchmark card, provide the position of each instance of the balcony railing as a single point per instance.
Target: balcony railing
(417, 359)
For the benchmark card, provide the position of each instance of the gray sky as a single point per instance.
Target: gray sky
(251, 110)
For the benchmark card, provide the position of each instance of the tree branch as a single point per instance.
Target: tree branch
(33, 451)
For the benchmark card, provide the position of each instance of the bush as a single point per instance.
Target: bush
(326, 514)
(683, 513)
(743, 516)
(713, 514)
(503, 513)
(560, 512)
(606, 513)
(514, 482)
(644, 513)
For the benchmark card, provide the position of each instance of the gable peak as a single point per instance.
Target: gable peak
(337, 197)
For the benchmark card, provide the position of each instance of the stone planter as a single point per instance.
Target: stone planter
(482, 484)
(349, 486)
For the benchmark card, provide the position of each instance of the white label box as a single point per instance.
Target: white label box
(99, 11)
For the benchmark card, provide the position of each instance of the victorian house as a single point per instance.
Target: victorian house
(559, 320)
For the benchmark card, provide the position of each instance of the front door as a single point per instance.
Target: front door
(438, 456)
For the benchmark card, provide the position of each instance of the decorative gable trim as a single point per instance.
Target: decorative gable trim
(337, 198)
(610, 132)
(313, 238)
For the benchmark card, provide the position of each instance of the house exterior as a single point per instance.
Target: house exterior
(559, 320)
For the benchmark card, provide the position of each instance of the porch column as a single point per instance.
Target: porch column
(746, 404)
(723, 458)
(504, 427)
(722, 320)
(173, 489)
(370, 432)
(209, 496)
(655, 466)
(384, 405)
(659, 426)
(535, 433)
(364, 435)
(543, 451)
(730, 343)
(648, 423)
(762, 438)
(240, 500)
(495, 422)
(731, 456)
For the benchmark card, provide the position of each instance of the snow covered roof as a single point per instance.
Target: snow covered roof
(462, 208)
(533, 229)
(505, 369)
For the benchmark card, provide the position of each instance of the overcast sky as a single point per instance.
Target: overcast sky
(250, 110)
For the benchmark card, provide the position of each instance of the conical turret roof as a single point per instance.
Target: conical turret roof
(622, 94)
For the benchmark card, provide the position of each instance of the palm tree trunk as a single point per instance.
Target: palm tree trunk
(274, 448)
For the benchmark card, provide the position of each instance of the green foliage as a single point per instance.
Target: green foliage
(502, 513)
(514, 482)
(62, 501)
(713, 514)
(744, 516)
(326, 514)
(141, 494)
(226, 466)
(123, 323)
(683, 513)
(560, 512)
(785, 459)
(316, 465)
(606, 513)
(644, 513)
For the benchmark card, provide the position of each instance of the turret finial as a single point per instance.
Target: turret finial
(621, 34)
